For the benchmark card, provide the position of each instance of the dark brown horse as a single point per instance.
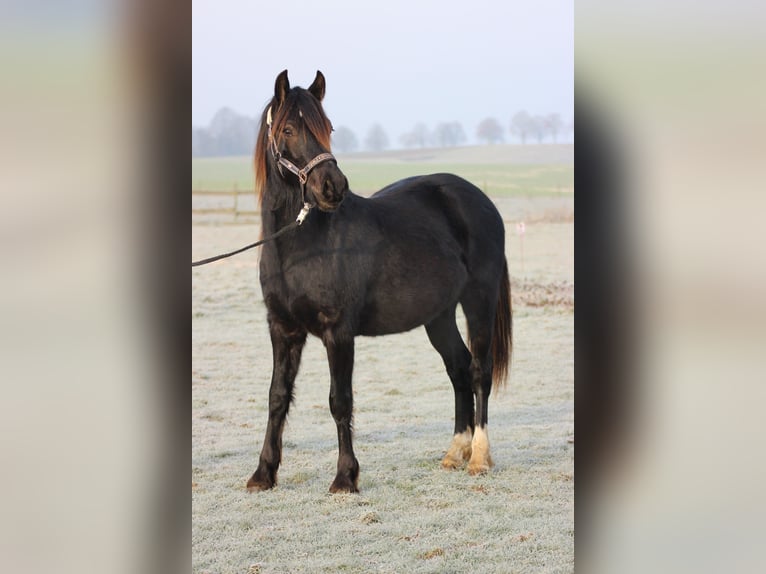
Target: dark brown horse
(404, 257)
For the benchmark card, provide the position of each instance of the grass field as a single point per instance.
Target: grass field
(501, 170)
(411, 516)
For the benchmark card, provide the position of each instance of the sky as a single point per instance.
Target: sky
(393, 62)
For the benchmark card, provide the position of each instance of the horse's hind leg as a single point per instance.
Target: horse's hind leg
(287, 345)
(445, 337)
(480, 315)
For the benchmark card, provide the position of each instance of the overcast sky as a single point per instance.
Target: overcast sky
(395, 62)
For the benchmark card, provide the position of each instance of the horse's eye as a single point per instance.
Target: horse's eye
(288, 131)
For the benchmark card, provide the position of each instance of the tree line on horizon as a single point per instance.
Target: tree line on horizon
(230, 133)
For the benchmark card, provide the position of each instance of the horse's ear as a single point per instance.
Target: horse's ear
(281, 87)
(317, 88)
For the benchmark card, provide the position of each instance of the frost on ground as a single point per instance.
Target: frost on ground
(411, 515)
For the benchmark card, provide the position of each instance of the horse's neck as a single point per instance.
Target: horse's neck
(281, 205)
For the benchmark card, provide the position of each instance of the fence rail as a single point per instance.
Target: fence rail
(235, 203)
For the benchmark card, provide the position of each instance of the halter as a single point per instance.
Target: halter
(302, 174)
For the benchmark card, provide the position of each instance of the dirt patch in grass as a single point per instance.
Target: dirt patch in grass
(556, 294)
(432, 554)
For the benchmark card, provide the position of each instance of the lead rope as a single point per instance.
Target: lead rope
(298, 220)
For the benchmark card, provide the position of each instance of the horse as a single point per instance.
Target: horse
(356, 266)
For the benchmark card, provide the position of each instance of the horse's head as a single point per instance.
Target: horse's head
(295, 141)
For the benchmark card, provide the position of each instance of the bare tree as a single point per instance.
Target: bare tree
(554, 125)
(376, 139)
(344, 140)
(228, 133)
(490, 130)
(521, 125)
(418, 137)
(538, 128)
(449, 134)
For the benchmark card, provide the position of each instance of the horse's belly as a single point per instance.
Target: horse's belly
(406, 307)
(386, 324)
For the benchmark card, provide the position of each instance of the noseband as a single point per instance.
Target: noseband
(302, 174)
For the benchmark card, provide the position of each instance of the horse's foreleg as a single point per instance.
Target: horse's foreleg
(287, 346)
(340, 355)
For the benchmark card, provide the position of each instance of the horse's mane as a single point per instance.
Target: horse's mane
(314, 117)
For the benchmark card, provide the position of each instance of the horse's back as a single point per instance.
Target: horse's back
(465, 207)
(446, 185)
(418, 182)
(397, 186)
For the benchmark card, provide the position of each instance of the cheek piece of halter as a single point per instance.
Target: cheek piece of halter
(302, 174)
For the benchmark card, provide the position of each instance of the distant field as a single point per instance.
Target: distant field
(500, 170)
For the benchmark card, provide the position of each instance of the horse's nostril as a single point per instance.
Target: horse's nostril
(328, 188)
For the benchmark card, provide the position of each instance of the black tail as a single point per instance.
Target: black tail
(502, 336)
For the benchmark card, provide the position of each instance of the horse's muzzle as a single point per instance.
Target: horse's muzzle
(329, 187)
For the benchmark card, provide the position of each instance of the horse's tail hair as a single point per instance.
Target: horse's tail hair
(502, 336)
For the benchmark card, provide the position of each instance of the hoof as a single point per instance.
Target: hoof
(345, 483)
(347, 476)
(343, 489)
(259, 483)
(459, 451)
(480, 467)
(477, 469)
(481, 461)
(451, 463)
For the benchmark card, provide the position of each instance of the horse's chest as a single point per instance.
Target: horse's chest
(313, 303)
